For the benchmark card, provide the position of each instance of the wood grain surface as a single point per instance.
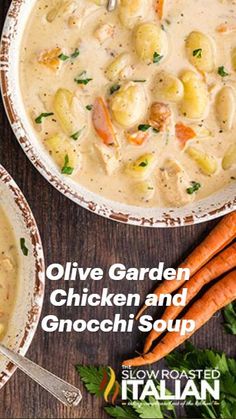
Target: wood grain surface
(70, 233)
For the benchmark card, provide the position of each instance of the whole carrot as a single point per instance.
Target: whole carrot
(222, 263)
(217, 297)
(217, 240)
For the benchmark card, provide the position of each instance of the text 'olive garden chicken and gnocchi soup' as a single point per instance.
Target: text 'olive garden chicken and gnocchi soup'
(8, 272)
(138, 105)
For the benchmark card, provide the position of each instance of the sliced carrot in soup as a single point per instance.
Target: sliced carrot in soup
(102, 122)
(184, 133)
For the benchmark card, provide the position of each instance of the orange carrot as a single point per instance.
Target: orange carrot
(222, 263)
(102, 122)
(184, 133)
(217, 297)
(225, 28)
(137, 138)
(160, 8)
(217, 240)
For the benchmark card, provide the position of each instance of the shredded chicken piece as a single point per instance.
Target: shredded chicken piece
(160, 116)
(108, 157)
(104, 32)
(174, 184)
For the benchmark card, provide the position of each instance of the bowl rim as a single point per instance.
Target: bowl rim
(93, 202)
(35, 309)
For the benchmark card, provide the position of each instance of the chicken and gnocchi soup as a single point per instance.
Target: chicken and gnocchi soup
(139, 104)
(8, 272)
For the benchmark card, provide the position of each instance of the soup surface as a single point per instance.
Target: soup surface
(139, 104)
(8, 271)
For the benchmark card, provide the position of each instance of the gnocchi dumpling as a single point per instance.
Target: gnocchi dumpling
(144, 190)
(142, 168)
(131, 12)
(69, 112)
(233, 56)
(207, 163)
(200, 51)
(196, 96)
(128, 105)
(115, 69)
(225, 108)
(64, 6)
(151, 42)
(99, 2)
(229, 159)
(168, 87)
(64, 153)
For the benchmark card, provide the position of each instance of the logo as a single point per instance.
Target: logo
(109, 385)
(140, 384)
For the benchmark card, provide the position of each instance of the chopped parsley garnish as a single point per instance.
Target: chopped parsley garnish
(89, 107)
(77, 134)
(67, 170)
(75, 53)
(143, 163)
(144, 127)
(197, 53)
(114, 88)
(157, 57)
(23, 247)
(39, 119)
(63, 57)
(222, 71)
(82, 78)
(194, 188)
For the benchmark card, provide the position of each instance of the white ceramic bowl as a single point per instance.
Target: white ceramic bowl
(30, 287)
(212, 207)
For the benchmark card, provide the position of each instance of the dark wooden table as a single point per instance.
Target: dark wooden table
(70, 233)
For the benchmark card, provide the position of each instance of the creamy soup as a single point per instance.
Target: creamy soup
(139, 104)
(8, 271)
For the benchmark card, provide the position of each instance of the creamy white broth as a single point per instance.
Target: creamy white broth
(8, 272)
(74, 27)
